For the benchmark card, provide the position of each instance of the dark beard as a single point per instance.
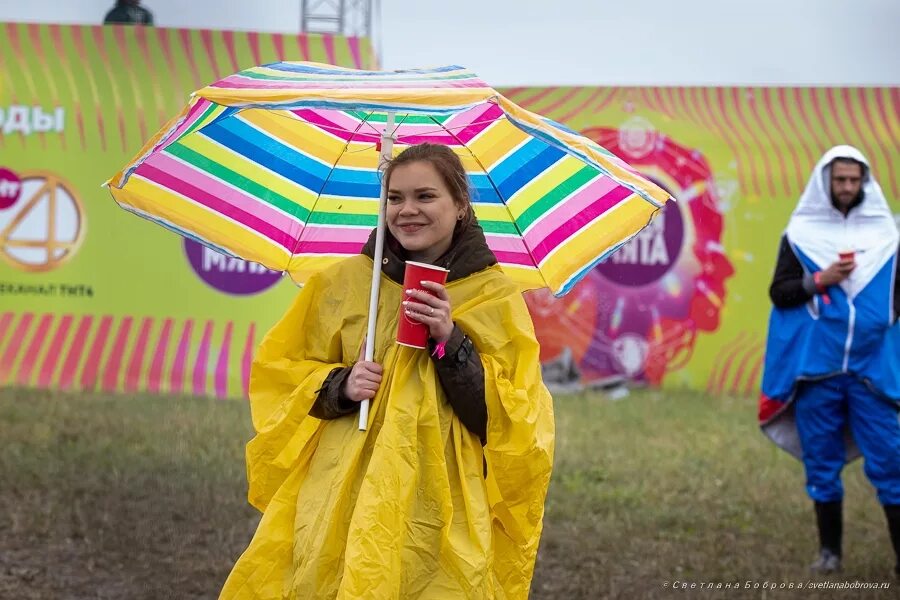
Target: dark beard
(853, 204)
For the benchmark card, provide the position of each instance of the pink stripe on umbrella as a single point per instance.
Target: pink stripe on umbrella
(506, 243)
(459, 130)
(339, 123)
(336, 121)
(45, 376)
(76, 349)
(407, 129)
(514, 258)
(15, 343)
(239, 82)
(92, 364)
(567, 230)
(229, 195)
(110, 382)
(568, 209)
(203, 197)
(435, 137)
(29, 361)
(194, 113)
(154, 379)
(179, 367)
(202, 365)
(136, 365)
(319, 233)
(348, 248)
(452, 132)
(481, 121)
(222, 363)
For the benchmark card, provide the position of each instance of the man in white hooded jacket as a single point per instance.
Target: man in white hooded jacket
(831, 388)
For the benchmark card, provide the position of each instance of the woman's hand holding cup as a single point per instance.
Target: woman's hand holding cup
(430, 309)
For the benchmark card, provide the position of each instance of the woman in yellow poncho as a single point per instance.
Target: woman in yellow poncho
(443, 496)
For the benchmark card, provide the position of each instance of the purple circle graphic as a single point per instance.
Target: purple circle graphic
(650, 254)
(227, 274)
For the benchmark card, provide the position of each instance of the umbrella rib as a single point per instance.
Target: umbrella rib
(325, 183)
(499, 195)
(372, 127)
(329, 128)
(337, 129)
(333, 167)
(447, 129)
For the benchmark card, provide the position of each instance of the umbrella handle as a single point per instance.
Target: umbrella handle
(387, 146)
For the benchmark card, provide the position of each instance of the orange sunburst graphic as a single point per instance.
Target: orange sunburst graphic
(45, 228)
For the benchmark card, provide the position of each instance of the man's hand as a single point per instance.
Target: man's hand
(364, 379)
(837, 272)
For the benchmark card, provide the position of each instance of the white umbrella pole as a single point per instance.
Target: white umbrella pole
(387, 146)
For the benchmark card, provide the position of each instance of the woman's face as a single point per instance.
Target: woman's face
(421, 212)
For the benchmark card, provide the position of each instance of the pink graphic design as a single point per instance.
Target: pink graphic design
(201, 367)
(45, 377)
(70, 367)
(636, 316)
(222, 363)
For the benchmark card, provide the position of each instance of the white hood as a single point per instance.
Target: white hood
(820, 230)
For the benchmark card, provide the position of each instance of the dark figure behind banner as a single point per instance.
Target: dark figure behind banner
(128, 12)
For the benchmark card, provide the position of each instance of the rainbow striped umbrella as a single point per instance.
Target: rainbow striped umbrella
(278, 165)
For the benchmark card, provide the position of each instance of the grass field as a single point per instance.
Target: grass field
(144, 498)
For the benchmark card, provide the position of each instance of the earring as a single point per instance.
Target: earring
(459, 217)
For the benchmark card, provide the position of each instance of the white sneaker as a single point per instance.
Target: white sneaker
(828, 562)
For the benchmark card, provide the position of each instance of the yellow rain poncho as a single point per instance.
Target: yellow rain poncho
(414, 507)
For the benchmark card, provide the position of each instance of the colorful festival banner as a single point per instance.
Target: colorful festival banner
(93, 298)
(686, 304)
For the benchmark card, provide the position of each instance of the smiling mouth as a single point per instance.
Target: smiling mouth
(411, 228)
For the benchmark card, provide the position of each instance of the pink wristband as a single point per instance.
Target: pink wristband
(817, 279)
(440, 349)
(823, 291)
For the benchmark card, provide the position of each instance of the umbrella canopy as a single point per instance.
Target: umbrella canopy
(279, 165)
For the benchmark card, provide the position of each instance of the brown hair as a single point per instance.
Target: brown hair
(863, 169)
(449, 167)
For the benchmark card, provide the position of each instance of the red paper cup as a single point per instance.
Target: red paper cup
(846, 254)
(412, 333)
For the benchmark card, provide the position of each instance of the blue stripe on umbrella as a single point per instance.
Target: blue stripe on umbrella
(269, 153)
(484, 192)
(299, 68)
(523, 166)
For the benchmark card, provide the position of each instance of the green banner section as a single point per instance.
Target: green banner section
(92, 297)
